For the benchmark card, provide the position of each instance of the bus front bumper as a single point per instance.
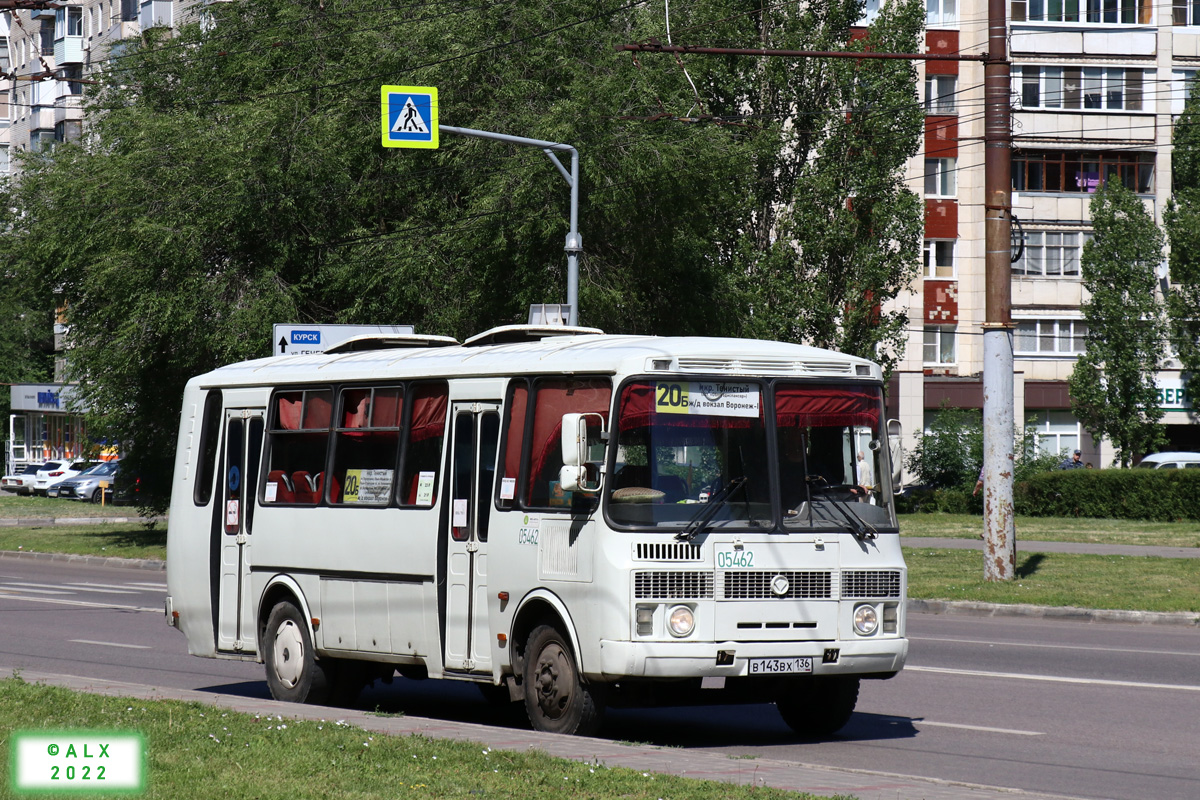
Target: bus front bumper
(732, 659)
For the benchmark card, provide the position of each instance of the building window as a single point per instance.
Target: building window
(1186, 12)
(1051, 254)
(1100, 88)
(939, 258)
(40, 140)
(68, 130)
(939, 345)
(67, 22)
(939, 177)
(1050, 337)
(1079, 171)
(1105, 12)
(939, 93)
(1182, 81)
(46, 37)
(1057, 432)
(72, 76)
(3, 159)
(941, 13)
(4, 110)
(870, 12)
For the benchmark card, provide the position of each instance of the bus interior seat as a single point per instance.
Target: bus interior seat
(672, 487)
(306, 488)
(284, 490)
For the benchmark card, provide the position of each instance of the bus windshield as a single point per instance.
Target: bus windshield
(680, 443)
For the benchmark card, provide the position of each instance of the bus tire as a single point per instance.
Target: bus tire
(819, 707)
(294, 674)
(557, 699)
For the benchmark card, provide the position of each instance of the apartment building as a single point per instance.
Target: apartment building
(47, 53)
(1095, 88)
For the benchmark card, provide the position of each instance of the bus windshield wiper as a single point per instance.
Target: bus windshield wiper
(698, 523)
(860, 528)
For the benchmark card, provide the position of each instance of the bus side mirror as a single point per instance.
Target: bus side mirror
(896, 450)
(573, 477)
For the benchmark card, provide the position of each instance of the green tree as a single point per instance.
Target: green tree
(1112, 387)
(232, 176)
(1182, 224)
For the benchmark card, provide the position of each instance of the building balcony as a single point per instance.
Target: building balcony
(69, 50)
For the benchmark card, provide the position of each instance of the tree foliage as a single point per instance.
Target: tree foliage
(232, 176)
(950, 454)
(1113, 390)
(1182, 223)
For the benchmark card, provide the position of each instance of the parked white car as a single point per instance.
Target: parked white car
(1170, 460)
(54, 471)
(21, 482)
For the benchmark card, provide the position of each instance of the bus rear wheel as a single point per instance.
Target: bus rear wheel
(818, 707)
(293, 672)
(557, 699)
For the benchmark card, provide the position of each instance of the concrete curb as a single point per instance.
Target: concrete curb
(26, 522)
(968, 608)
(91, 561)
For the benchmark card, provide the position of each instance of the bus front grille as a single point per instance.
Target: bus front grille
(761, 585)
(667, 551)
(870, 583)
(673, 585)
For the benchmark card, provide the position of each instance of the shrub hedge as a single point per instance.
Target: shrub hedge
(1162, 495)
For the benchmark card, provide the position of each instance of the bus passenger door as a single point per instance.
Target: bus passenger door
(243, 448)
(475, 432)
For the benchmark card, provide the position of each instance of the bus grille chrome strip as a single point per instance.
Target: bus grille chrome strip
(870, 583)
(756, 585)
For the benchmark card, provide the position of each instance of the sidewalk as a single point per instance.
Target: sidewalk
(799, 777)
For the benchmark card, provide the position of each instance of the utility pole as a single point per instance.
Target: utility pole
(998, 431)
(999, 530)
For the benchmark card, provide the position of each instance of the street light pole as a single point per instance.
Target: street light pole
(574, 243)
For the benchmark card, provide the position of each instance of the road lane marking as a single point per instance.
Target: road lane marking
(112, 644)
(16, 587)
(123, 588)
(84, 603)
(1053, 678)
(1091, 648)
(983, 728)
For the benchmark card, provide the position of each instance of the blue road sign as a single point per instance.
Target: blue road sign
(409, 116)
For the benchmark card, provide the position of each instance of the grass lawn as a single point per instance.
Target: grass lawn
(119, 539)
(1137, 583)
(1058, 529)
(198, 751)
(26, 507)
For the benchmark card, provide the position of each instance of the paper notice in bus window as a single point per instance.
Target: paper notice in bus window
(231, 514)
(460, 514)
(425, 489)
(272, 492)
(707, 398)
(508, 488)
(370, 486)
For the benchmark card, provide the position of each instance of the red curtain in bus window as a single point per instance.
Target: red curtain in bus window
(821, 406)
(429, 412)
(290, 404)
(552, 399)
(386, 407)
(356, 404)
(318, 408)
(637, 411)
(516, 431)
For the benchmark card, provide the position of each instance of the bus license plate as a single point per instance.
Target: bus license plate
(780, 666)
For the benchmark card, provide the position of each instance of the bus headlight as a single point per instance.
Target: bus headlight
(865, 620)
(681, 621)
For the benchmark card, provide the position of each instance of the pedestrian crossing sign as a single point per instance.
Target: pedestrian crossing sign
(410, 116)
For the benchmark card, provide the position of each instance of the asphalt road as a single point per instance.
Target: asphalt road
(1068, 708)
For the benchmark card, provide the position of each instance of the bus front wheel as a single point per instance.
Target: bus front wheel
(818, 707)
(556, 697)
(293, 672)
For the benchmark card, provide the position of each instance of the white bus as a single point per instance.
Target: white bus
(569, 519)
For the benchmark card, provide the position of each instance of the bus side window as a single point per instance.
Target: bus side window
(210, 435)
(367, 446)
(513, 442)
(423, 449)
(552, 399)
(299, 439)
